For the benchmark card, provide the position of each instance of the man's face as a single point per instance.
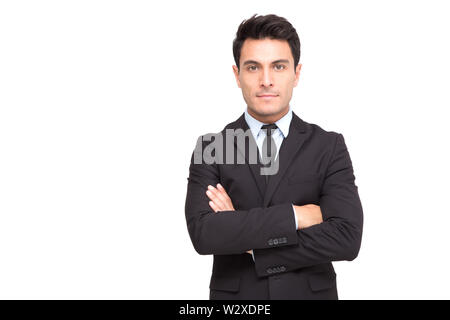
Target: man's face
(267, 77)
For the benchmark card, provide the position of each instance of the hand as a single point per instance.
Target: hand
(220, 201)
(308, 215)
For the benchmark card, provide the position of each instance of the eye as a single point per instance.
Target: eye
(280, 67)
(251, 68)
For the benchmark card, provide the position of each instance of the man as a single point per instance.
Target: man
(274, 225)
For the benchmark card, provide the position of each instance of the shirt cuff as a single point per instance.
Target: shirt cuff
(295, 217)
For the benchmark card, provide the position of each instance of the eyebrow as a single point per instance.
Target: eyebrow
(273, 62)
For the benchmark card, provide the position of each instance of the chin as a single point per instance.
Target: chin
(267, 110)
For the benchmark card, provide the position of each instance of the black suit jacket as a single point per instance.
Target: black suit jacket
(314, 168)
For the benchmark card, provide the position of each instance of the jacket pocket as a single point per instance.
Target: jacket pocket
(322, 281)
(224, 283)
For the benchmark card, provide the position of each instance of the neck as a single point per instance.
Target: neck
(272, 118)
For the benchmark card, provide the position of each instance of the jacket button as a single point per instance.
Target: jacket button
(269, 270)
(270, 242)
(283, 268)
(275, 241)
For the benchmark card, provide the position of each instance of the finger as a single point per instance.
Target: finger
(223, 191)
(218, 197)
(218, 194)
(213, 206)
(226, 197)
(211, 195)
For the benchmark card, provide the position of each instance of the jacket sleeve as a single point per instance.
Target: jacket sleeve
(337, 238)
(232, 232)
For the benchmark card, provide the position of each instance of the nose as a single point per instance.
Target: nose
(266, 78)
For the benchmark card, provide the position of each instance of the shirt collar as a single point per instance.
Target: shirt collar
(283, 123)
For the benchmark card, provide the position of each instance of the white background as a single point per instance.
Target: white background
(101, 103)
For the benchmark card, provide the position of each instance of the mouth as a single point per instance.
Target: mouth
(267, 96)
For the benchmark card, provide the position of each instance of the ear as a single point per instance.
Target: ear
(236, 75)
(297, 74)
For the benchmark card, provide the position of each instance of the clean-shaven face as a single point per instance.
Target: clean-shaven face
(267, 77)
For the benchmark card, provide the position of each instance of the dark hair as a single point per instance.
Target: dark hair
(268, 26)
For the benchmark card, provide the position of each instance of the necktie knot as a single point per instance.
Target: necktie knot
(270, 128)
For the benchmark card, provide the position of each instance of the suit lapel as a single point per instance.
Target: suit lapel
(254, 168)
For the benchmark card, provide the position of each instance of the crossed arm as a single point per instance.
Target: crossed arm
(306, 215)
(216, 227)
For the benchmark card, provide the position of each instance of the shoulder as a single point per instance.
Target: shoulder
(323, 138)
(320, 134)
